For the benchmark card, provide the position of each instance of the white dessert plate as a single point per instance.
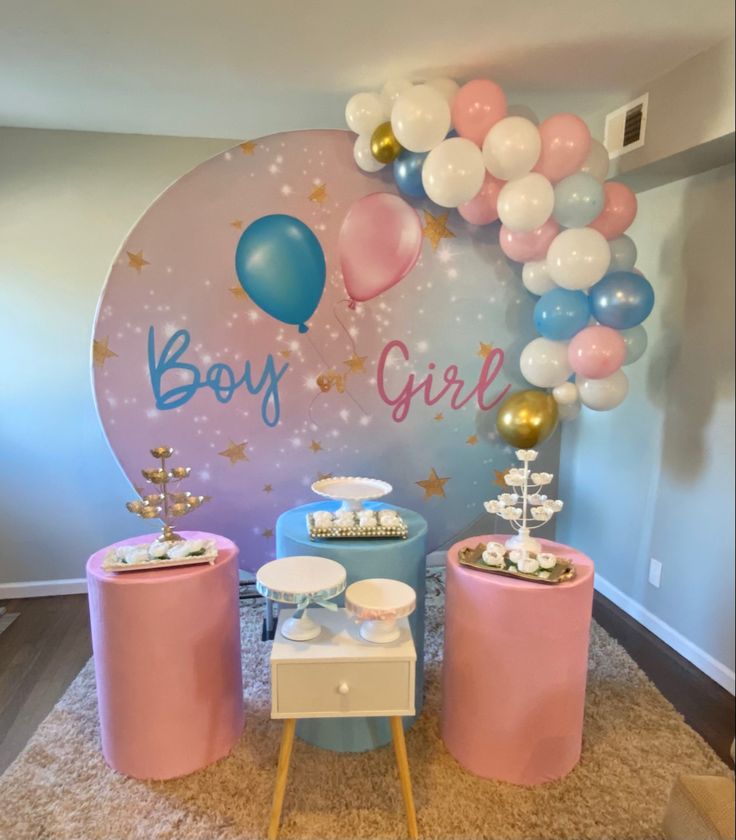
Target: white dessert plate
(351, 491)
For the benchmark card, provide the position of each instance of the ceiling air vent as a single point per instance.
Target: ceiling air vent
(626, 127)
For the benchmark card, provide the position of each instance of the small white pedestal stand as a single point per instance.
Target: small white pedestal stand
(378, 603)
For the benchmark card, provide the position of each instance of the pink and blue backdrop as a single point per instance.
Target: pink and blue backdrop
(408, 382)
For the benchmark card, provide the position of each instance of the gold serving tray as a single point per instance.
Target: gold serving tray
(109, 564)
(563, 570)
(378, 533)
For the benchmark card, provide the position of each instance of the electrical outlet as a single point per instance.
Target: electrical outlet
(655, 572)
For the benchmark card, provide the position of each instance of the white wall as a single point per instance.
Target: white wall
(655, 477)
(67, 200)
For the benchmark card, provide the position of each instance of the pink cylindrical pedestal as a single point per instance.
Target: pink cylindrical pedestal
(167, 660)
(515, 668)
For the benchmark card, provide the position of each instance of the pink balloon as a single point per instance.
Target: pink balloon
(528, 245)
(478, 106)
(596, 352)
(565, 146)
(482, 209)
(619, 210)
(378, 245)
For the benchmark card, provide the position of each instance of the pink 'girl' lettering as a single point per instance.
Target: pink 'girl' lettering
(450, 384)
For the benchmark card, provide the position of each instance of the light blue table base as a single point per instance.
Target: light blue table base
(403, 560)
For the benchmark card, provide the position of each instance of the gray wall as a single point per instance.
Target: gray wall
(654, 478)
(67, 201)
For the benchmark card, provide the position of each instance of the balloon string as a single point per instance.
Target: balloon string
(316, 349)
(344, 328)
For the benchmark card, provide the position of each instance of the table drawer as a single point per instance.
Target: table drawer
(343, 689)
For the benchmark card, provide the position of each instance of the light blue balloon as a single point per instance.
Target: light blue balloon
(623, 254)
(622, 300)
(281, 266)
(408, 173)
(636, 342)
(561, 313)
(578, 200)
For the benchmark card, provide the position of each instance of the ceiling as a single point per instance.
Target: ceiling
(238, 68)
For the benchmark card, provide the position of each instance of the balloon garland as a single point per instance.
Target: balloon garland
(462, 148)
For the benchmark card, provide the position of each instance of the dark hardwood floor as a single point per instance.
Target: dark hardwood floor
(46, 646)
(40, 654)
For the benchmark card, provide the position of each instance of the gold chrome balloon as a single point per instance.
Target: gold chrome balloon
(526, 418)
(384, 145)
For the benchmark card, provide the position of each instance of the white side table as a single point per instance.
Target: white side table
(339, 674)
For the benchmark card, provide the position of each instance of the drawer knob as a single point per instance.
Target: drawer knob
(343, 688)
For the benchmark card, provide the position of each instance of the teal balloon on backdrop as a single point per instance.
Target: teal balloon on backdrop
(622, 300)
(281, 266)
(561, 313)
(578, 200)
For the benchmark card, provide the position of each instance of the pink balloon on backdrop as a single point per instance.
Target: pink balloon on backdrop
(482, 209)
(619, 210)
(565, 146)
(596, 352)
(378, 245)
(528, 245)
(478, 106)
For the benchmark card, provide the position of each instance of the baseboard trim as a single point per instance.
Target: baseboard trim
(42, 588)
(703, 661)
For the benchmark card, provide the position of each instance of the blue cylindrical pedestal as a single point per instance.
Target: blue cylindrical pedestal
(403, 560)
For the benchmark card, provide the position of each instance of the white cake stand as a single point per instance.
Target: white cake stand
(378, 603)
(301, 581)
(351, 491)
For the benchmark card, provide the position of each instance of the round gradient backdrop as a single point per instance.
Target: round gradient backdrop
(410, 380)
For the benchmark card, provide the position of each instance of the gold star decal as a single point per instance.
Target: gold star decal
(136, 261)
(472, 440)
(315, 446)
(235, 452)
(433, 485)
(237, 223)
(500, 480)
(484, 350)
(101, 352)
(248, 147)
(356, 364)
(439, 416)
(319, 194)
(285, 353)
(267, 533)
(268, 488)
(239, 292)
(435, 228)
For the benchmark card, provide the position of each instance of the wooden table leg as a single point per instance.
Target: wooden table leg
(287, 741)
(402, 765)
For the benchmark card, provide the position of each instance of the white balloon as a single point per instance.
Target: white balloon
(577, 258)
(536, 279)
(447, 87)
(453, 172)
(365, 112)
(544, 363)
(420, 118)
(363, 155)
(511, 148)
(526, 203)
(568, 412)
(596, 164)
(566, 394)
(623, 253)
(603, 394)
(392, 90)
